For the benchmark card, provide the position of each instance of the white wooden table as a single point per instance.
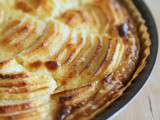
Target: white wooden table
(146, 106)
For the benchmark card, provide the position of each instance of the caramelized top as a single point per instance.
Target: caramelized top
(72, 57)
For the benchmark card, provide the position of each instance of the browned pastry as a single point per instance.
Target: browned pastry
(65, 60)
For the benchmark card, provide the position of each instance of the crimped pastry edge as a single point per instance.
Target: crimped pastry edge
(145, 44)
(145, 50)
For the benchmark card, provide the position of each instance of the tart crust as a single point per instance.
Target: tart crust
(70, 62)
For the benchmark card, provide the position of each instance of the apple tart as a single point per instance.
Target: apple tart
(67, 60)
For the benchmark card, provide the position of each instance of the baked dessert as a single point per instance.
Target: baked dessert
(67, 60)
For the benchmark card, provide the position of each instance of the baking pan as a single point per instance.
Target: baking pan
(143, 76)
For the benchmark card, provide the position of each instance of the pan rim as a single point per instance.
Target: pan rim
(142, 78)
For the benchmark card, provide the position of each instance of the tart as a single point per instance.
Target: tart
(67, 60)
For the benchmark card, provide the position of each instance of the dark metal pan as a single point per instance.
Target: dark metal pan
(143, 76)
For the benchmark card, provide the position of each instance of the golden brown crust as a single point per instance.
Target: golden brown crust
(91, 49)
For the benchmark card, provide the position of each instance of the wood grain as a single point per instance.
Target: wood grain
(146, 105)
